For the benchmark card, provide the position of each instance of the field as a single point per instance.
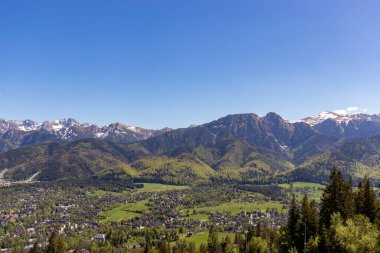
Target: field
(148, 187)
(314, 191)
(202, 238)
(99, 193)
(125, 212)
(153, 187)
(131, 210)
(301, 185)
(236, 207)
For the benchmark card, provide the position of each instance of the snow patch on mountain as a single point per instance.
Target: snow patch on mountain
(339, 118)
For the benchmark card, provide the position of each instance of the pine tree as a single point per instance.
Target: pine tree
(225, 244)
(366, 202)
(359, 196)
(313, 219)
(293, 223)
(240, 242)
(309, 216)
(337, 198)
(56, 244)
(324, 243)
(212, 241)
(349, 199)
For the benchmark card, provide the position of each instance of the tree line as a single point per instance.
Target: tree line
(348, 219)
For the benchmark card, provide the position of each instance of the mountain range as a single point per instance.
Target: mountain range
(241, 147)
(16, 133)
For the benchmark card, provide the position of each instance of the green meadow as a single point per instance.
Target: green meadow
(125, 212)
(154, 187)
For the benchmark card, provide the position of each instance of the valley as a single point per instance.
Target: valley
(81, 211)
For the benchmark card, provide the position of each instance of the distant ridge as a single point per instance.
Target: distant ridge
(242, 147)
(16, 133)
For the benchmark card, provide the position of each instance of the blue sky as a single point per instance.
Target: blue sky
(174, 63)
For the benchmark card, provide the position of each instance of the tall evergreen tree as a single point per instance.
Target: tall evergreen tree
(309, 217)
(337, 198)
(349, 200)
(293, 226)
(213, 241)
(366, 202)
(56, 245)
(325, 240)
(359, 196)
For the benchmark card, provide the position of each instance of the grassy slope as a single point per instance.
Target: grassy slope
(236, 207)
(125, 212)
(202, 238)
(313, 190)
(154, 187)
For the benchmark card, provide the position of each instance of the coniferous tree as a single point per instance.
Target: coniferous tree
(313, 219)
(337, 198)
(293, 226)
(309, 217)
(240, 242)
(349, 200)
(56, 245)
(359, 196)
(366, 202)
(324, 243)
(226, 244)
(212, 241)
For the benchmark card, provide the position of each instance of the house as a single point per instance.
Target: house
(99, 237)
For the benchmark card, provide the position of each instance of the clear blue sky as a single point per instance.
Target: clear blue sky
(173, 63)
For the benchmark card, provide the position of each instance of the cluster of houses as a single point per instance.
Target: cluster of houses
(33, 212)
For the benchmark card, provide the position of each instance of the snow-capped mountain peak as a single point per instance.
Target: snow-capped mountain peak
(22, 125)
(322, 117)
(57, 125)
(20, 133)
(339, 118)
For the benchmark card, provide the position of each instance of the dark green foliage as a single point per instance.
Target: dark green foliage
(56, 244)
(275, 192)
(227, 245)
(258, 245)
(309, 216)
(366, 202)
(337, 198)
(240, 242)
(294, 224)
(301, 219)
(36, 248)
(213, 245)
